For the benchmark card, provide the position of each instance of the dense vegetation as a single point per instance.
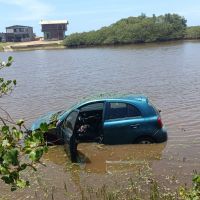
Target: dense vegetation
(133, 30)
(193, 32)
(19, 149)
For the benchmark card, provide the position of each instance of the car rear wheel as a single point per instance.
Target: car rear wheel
(145, 140)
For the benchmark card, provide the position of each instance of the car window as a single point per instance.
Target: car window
(122, 110)
(92, 106)
(132, 111)
(117, 110)
(70, 121)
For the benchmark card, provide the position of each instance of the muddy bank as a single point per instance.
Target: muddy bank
(120, 171)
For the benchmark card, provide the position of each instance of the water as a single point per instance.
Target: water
(167, 73)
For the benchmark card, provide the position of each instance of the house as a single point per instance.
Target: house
(19, 33)
(2, 37)
(54, 29)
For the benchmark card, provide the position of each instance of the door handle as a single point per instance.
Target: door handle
(134, 125)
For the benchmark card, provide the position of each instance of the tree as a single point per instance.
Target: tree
(18, 148)
(133, 30)
(193, 32)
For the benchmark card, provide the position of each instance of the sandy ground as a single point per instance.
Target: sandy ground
(32, 45)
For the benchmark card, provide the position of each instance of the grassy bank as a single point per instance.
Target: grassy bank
(134, 185)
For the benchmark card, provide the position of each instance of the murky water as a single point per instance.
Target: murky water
(167, 73)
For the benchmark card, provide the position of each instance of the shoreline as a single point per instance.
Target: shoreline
(129, 44)
(32, 45)
(53, 45)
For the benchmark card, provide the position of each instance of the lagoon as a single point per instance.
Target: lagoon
(168, 73)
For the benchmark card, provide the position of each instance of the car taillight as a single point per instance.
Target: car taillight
(160, 124)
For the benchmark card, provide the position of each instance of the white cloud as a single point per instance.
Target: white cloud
(29, 9)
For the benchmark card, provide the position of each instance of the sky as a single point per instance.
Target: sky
(86, 15)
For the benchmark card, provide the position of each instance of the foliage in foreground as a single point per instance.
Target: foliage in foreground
(133, 30)
(191, 193)
(6, 86)
(143, 185)
(148, 188)
(18, 150)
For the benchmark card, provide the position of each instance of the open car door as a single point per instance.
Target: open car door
(69, 136)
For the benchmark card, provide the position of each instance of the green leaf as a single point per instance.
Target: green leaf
(21, 183)
(11, 157)
(7, 179)
(14, 175)
(36, 154)
(10, 59)
(5, 129)
(44, 127)
(196, 179)
(14, 82)
(17, 133)
(52, 126)
(8, 82)
(8, 64)
(32, 155)
(20, 122)
(3, 170)
(39, 153)
(5, 143)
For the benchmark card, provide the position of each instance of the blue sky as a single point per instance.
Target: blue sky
(88, 15)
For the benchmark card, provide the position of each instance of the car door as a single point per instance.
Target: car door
(67, 131)
(123, 123)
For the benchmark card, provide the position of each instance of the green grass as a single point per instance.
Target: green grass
(140, 190)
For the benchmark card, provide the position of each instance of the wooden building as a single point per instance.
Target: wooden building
(2, 37)
(54, 30)
(19, 33)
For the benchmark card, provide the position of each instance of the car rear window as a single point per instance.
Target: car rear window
(122, 110)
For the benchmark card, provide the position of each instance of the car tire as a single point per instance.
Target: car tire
(145, 140)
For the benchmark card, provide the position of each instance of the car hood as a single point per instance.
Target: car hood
(47, 118)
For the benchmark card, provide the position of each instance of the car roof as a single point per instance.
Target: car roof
(124, 98)
(134, 99)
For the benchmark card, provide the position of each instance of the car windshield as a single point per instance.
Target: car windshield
(62, 112)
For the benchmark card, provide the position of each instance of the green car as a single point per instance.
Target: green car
(123, 120)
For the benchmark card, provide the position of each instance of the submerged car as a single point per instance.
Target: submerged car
(122, 120)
